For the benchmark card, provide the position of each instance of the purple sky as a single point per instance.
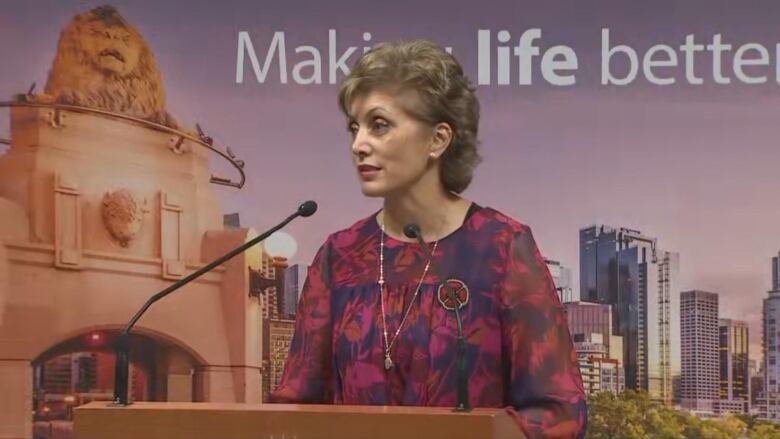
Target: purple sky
(694, 166)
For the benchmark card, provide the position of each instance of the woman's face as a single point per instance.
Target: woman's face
(391, 150)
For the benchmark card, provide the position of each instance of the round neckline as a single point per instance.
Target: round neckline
(389, 238)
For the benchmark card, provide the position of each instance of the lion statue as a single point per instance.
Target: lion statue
(103, 62)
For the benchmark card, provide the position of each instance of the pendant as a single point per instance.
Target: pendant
(388, 362)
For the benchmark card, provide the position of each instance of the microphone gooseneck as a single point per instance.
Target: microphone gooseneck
(412, 231)
(122, 345)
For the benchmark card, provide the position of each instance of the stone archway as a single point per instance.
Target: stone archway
(80, 369)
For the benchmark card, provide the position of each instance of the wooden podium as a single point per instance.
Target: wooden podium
(163, 420)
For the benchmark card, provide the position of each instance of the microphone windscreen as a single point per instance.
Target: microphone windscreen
(412, 231)
(307, 208)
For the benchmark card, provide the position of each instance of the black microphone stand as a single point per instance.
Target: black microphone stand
(122, 346)
(413, 231)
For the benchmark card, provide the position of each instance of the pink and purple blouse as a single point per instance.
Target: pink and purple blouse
(519, 351)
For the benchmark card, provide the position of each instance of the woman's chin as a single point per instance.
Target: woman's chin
(372, 191)
(373, 188)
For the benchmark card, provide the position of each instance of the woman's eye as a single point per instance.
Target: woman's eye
(381, 125)
(352, 128)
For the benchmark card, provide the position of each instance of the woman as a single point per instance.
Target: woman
(371, 327)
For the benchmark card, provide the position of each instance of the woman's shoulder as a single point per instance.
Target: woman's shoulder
(492, 221)
(503, 231)
(347, 239)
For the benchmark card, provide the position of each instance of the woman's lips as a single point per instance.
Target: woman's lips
(368, 172)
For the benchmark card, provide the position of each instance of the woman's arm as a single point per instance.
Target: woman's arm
(308, 374)
(545, 390)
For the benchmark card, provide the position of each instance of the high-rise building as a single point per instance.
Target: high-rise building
(294, 279)
(589, 318)
(616, 349)
(734, 366)
(270, 283)
(599, 372)
(84, 371)
(267, 282)
(613, 377)
(626, 269)
(562, 278)
(757, 391)
(57, 375)
(700, 343)
(769, 400)
(756, 383)
(280, 336)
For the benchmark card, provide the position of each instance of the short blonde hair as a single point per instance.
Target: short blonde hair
(445, 94)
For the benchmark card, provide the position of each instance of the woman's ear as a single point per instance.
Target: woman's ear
(441, 140)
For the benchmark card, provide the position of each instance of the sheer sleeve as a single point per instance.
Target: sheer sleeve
(307, 376)
(545, 394)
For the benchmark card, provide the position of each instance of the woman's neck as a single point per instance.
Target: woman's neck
(436, 212)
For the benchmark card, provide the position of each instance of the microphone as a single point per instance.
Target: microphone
(122, 367)
(455, 296)
(306, 209)
(456, 292)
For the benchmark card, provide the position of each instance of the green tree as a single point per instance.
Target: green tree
(729, 427)
(633, 415)
(733, 426)
(749, 420)
(764, 430)
(613, 417)
(663, 423)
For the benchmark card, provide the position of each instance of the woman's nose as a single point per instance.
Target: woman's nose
(360, 145)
